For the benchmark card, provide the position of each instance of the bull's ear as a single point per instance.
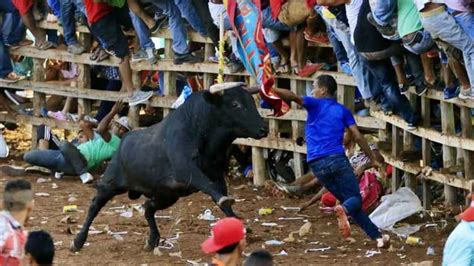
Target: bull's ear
(213, 98)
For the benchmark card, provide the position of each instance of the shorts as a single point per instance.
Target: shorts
(109, 31)
(23, 6)
(418, 42)
(293, 12)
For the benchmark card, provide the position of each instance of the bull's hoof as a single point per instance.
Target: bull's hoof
(226, 202)
(73, 247)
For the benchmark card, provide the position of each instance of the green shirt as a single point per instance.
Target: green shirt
(98, 150)
(409, 19)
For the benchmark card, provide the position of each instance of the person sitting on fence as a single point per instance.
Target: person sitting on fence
(459, 248)
(325, 127)
(72, 11)
(105, 24)
(72, 160)
(18, 203)
(6, 68)
(39, 249)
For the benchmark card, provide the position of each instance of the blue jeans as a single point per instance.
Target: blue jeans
(6, 7)
(142, 32)
(466, 21)
(337, 46)
(188, 12)
(13, 29)
(68, 10)
(336, 175)
(443, 26)
(386, 85)
(67, 159)
(176, 27)
(269, 22)
(384, 10)
(360, 74)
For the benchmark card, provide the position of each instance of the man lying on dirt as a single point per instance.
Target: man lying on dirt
(327, 120)
(72, 160)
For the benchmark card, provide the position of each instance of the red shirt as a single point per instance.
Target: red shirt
(95, 11)
(23, 6)
(276, 7)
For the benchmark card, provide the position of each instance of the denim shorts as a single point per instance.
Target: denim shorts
(109, 31)
(418, 42)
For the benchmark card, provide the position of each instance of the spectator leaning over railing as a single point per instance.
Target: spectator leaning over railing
(437, 21)
(68, 13)
(105, 24)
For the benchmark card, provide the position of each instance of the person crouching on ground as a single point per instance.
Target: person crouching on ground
(72, 160)
(227, 241)
(327, 120)
(18, 204)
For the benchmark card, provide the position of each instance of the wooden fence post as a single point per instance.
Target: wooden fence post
(449, 153)
(39, 99)
(426, 150)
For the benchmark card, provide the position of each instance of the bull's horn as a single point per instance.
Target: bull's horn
(253, 89)
(224, 86)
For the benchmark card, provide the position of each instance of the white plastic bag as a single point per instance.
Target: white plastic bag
(395, 207)
(3, 147)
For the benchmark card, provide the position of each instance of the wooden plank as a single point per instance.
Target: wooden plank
(397, 148)
(467, 132)
(438, 95)
(164, 64)
(297, 128)
(449, 153)
(426, 150)
(428, 133)
(259, 167)
(208, 77)
(169, 78)
(39, 99)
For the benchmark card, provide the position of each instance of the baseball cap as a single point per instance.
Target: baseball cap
(468, 214)
(225, 232)
(123, 121)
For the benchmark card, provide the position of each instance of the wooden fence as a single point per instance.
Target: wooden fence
(458, 149)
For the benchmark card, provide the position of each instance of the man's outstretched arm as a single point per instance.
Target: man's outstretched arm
(288, 96)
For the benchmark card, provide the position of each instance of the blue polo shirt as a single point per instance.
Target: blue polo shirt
(325, 125)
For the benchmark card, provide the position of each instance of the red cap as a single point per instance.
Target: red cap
(225, 232)
(468, 214)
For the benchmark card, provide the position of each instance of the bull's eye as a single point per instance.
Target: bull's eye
(236, 105)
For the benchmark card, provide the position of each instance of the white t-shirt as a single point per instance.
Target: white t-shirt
(352, 12)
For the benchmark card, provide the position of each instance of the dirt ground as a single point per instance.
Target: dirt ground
(182, 220)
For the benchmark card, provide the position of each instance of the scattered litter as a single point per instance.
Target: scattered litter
(401, 256)
(371, 253)
(178, 254)
(274, 243)
(54, 186)
(42, 194)
(87, 244)
(117, 233)
(137, 233)
(58, 243)
(70, 231)
(351, 240)
(290, 237)
(44, 222)
(163, 217)
(430, 251)
(314, 243)
(412, 240)
(430, 225)
(265, 211)
(70, 208)
(290, 218)
(117, 208)
(41, 180)
(194, 262)
(395, 207)
(71, 199)
(207, 216)
(240, 187)
(127, 214)
(282, 253)
(157, 252)
(317, 249)
(240, 200)
(290, 208)
(95, 232)
(68, 220)
(269, 224)
(118, 237)
(304, 229)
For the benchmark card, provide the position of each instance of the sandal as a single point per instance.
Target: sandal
(283, 69)
(320, 38)
(103, 55)
(294, 69)
(45, 45)
(57, 115)
(95, 54)
(12, 77)
(20, 44)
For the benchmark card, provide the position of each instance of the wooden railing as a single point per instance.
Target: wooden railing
(458, 171)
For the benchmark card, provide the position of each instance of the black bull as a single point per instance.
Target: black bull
(183, 154)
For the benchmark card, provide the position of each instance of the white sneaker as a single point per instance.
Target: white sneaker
(466, 94)
(86, 178)
(58, 175)
(139, 97)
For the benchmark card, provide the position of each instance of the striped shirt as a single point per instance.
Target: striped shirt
(12, 240)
